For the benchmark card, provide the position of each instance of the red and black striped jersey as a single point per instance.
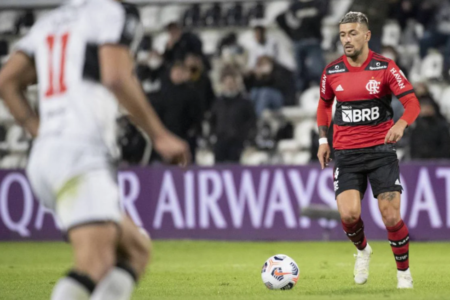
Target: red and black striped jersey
(363, 110)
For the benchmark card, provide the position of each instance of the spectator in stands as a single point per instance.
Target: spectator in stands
(131, 141)
(403, 10)
(377, 12)
(181, 43)
(435, 16)
(233, 119)
(151, 71)
(302, 22)
(262, 45)
(270, 85)
(199, 81)
(430, 135)
(231, 52)
(178, 105)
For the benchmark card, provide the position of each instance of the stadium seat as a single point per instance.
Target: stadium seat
(444, 102)
(288, 146)
(329, 33)
(302, 158)
(254, 158)
(13, 161)
(436, 90)
(17, 140)
(150, 17)
(273, 9)
(293, 114)
(160, 41)
(285, 49)
(210, 39)
(391, 34)
(5, 115)
(213, 16)
(192, 16)
(204, 157)
(234, 16)
(257, 11)
(337, 10)
(245, 38)
(302, 133)
(432, 66)
(7, 21)
(309, 100)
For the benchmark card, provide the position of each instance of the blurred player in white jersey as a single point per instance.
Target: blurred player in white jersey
(81, 57)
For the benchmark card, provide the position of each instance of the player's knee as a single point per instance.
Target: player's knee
(391, 219)
(97, 263)
(349, 217)
(390, 216)
(140, 254)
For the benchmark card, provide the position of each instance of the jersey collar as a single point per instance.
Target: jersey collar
(363, 66)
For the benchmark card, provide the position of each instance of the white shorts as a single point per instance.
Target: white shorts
(77, 182)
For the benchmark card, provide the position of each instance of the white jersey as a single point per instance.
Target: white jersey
(73, 104)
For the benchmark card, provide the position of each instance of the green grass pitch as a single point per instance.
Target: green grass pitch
(231, 270)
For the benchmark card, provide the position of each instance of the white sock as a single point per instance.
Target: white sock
(68, 288)
(117, 285)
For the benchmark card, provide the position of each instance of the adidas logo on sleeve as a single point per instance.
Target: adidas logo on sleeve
(339, 88)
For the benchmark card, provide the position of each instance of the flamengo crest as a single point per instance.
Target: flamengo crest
(373, 87)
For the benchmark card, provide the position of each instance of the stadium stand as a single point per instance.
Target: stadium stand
(218, 21)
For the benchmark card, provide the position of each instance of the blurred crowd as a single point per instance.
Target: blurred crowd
(239, 81)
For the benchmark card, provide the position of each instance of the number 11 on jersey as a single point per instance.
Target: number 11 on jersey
(59, 87)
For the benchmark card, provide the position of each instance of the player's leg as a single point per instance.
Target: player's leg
(88, 208)
(133, 249)
(350, 188)
(398, 235)
(94, 254)
(349, 206)
(386, 188)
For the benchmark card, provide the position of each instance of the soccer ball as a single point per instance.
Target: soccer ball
(280, 272)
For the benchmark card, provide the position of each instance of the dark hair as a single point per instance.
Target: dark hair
(178, 64)
(355, 17)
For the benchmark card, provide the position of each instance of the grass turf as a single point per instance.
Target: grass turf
(231, 270)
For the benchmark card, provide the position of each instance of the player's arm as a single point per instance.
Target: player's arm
(324, 118)
(116, 66)
(16, 75)
(403, 90)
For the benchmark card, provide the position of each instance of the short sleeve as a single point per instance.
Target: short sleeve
(326, 92)
(27, 44)
(398, 84)
(121, 25)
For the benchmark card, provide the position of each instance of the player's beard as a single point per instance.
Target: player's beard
(355, 53)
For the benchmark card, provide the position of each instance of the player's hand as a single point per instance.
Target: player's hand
(396, 132)
(173, 149)
(324, 155)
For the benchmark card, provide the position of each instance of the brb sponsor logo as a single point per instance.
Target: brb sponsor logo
(373, 87)
(350, 115)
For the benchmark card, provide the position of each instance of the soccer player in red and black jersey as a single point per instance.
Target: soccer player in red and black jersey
(364, 140)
